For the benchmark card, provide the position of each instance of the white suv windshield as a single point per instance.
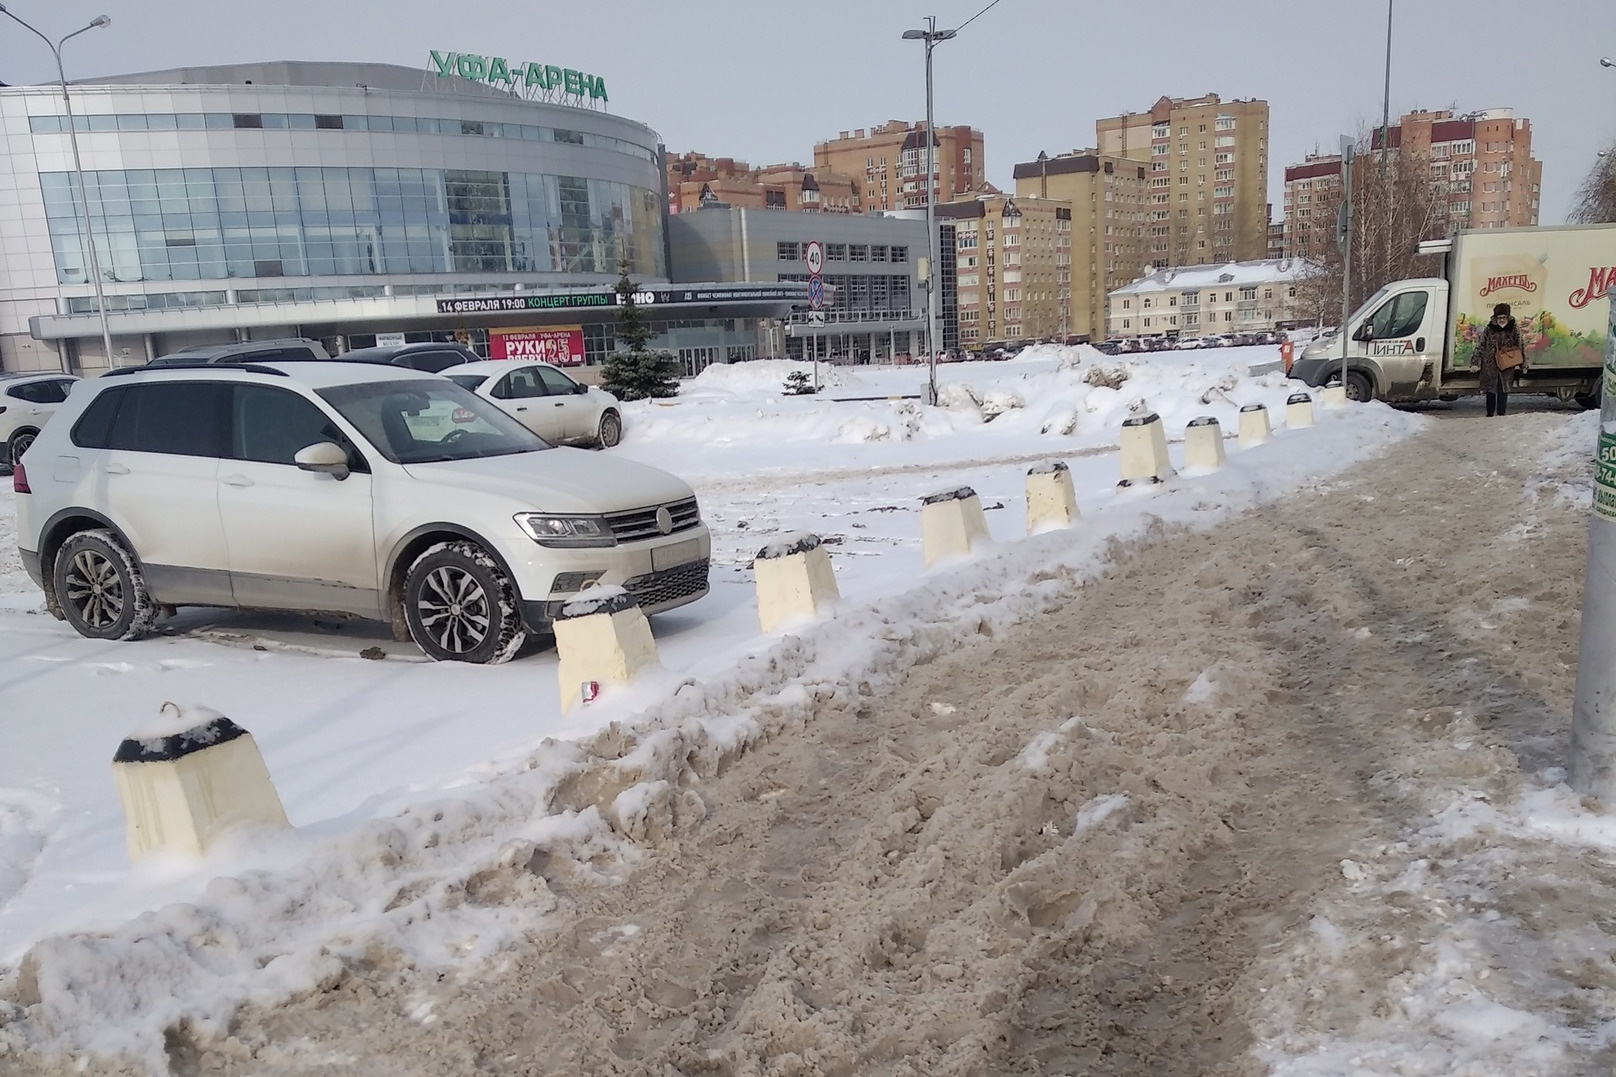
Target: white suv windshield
(429, 421)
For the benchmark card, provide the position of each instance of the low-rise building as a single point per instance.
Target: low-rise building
(1195, 301)
(874, 299)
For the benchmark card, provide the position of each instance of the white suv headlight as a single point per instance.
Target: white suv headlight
(566, 530)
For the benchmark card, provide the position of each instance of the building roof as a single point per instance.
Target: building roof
(1313, 169)
(1233, 274)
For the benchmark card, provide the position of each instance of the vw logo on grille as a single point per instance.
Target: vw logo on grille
(664, 521)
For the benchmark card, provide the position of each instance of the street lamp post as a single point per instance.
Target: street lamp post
(78, 168)
(931, 36)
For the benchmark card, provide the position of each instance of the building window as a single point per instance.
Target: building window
(788, 252)
(836, 252)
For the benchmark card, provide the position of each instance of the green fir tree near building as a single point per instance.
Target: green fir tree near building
(633, 372)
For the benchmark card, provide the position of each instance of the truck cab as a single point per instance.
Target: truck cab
(1396, 345)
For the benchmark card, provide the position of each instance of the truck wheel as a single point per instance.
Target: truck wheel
(1359, 389)
(1587, 401)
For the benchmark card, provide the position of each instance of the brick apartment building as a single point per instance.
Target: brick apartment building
(1485, 159)
(1208, 169)
(1106, 197)
(695, 179)
(1482, 162)
(890, 162)
(1312, 196)
(1010, 252)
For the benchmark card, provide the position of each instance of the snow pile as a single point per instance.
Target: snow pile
(1054, 392)
(1464, 981)
(1567, 460)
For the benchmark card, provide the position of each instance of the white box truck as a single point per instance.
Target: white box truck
(1414, 339)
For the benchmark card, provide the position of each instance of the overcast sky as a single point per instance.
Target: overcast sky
(764, 80)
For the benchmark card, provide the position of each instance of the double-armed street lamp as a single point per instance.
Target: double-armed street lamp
(78, 167)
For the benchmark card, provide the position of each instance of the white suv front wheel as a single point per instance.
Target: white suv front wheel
(100, 588)
(460, 607)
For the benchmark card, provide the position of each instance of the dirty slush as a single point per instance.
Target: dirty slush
(1084, 846)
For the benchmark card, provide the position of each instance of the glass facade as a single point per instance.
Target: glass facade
(310, 121)
(178, 224)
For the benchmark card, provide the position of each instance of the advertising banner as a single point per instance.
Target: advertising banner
(562, 345)
(1554, 280)
(1605, 458)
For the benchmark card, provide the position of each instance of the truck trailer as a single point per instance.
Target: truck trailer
(1414, 339)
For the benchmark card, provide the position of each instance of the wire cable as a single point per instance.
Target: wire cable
(978, 15)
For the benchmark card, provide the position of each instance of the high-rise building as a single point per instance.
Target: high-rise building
(1312, 197)
(1107, 200)
(890, 162)
(1208, 169)
(1009, 255)
(1481, 164)
(1484, 159)
(695, 179)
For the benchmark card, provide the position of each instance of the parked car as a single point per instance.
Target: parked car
(429, 356)
(545, 400)
(26, 402)
(347, 488)
(1185, 344)
(285, 349)
(1109, 347)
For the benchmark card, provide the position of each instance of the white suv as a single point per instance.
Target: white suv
(368, 490)
(26, 402)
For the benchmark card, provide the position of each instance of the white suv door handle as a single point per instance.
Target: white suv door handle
(117, 469)
(237, 480)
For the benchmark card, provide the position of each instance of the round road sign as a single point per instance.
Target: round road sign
(815, 256)
(816, 293)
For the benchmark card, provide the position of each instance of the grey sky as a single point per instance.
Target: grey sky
(764, 81)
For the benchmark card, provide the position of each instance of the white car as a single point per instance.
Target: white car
(352, 488)
(26, 402)
(543, 399)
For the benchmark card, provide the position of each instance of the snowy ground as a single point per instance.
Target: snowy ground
(411, 786)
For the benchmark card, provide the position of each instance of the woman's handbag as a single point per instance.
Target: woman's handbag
(1510, 358)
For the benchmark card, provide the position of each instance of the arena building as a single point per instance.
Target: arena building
(345, 202)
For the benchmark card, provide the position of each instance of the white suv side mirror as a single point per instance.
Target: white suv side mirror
(325, 456)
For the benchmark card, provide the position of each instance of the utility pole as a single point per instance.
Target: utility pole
(1593, 716)
(1343, 238)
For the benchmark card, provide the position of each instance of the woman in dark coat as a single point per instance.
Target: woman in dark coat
(1501, 332)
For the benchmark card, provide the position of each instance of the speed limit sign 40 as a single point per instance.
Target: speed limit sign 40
(815, 257)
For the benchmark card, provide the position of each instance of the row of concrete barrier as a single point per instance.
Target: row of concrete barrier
(184, 786)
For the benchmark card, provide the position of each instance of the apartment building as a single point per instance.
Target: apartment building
(1009, 255)
(695, 179)
(1208, 169)
(890, 162)
(1484, 159)
(1312, 197)
(1239, 297)
(1107, 200)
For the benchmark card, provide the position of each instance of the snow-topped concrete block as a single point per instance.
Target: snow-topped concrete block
(602, 637)
(1254, 429)
(189, 777)
(951, 524)
(1144, 451)
(1051, 500)
(1333, 396)
(1298, 411)
(1203, 444)
(794, 580)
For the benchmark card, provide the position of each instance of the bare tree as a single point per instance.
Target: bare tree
(1395, 205)
(1595, 200)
